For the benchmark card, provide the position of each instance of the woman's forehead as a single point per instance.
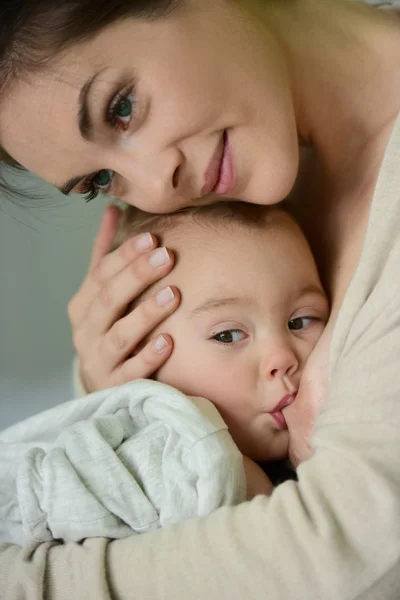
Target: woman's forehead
(44, 105)
(37, 113)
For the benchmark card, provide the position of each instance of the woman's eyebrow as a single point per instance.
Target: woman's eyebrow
(85, 125)
(85, 122)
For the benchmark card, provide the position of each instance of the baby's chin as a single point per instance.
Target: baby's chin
(273, 448)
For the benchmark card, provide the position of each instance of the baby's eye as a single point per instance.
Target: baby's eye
(300, 323)
(229, 336)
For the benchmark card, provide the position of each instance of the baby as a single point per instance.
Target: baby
(252, 310)
(145, 455)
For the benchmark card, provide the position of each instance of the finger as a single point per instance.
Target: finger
(113, 298)
(107, 267)
(106, 234)
(126, 253)
(130, 332)
(147, 362)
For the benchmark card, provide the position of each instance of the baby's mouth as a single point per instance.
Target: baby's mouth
(277, 414)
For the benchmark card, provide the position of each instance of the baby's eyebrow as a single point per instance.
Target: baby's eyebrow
(310, 289)
(215, 303)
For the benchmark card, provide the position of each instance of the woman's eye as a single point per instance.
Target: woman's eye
(103, 179)
(99, 182)
(229, 336)
(121, 110)
(300, 323)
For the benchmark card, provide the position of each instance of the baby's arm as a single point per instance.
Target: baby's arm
(257, 482)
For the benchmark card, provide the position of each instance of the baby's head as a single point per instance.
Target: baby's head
(252, 309)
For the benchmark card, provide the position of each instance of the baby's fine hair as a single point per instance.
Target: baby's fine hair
(134, 221)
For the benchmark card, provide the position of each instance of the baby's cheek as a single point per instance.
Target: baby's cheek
(166, 374)
(177, 373)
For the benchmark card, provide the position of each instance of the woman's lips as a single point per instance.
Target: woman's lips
(220, 176)
(227, 175)
(277, 412)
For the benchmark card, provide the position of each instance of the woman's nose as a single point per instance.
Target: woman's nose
(279, 361)
(158, 177)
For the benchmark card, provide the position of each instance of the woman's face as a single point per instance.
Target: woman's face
(163, 114)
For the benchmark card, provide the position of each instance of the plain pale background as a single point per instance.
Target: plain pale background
(44, 252)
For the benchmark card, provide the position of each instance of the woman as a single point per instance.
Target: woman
(162, 103)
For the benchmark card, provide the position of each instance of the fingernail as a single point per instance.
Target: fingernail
(165, 296)
(160, 344)
(144, 242)
(159, 257)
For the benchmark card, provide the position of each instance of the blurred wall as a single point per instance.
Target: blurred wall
(44, 251)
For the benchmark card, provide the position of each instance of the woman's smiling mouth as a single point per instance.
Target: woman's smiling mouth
(220, 176)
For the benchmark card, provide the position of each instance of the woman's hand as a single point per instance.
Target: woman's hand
(256, 480)
(104, 336)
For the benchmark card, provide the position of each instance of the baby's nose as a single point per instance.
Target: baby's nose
(281, 362)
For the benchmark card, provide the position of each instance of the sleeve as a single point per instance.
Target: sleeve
(78, 387)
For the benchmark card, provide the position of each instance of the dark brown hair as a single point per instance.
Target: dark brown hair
(34, 32)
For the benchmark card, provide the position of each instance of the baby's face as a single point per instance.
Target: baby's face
(252, 311)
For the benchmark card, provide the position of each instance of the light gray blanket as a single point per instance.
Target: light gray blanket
(128, 459)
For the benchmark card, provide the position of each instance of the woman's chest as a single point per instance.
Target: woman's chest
(333, 212)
